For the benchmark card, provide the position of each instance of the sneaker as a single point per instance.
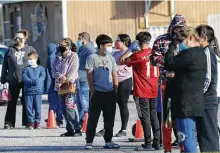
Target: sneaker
(77, 134)
(100, 133)
(89, 146)
(111, 145)
(67, 134)
(31, 126)
(7, 126)
(46, 120)
(144, 148)
(121, 133)
(167, 151)
(37, 126)
(175, 143)
(157, 146)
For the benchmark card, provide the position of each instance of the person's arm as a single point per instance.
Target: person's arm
(72, 72)
(135, 58)
(4, 69)
(57, 75)
(42, 76)
(157, 53)
(209, 71)
(179, 61)
(90, 67)
(26, 79)
(114, 73)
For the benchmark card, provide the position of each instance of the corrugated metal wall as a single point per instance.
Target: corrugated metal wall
(108, 17)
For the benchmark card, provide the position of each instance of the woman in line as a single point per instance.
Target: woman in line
(207, 127)
(65, 69)
(14, 61)
(190, 71)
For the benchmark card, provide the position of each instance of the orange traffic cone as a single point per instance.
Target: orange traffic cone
(51, 124)
(85, 123)
(139, 133)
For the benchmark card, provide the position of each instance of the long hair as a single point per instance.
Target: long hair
(206, 31)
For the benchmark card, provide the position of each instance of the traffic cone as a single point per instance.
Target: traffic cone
(139, 133)
(85, 123)
(51, 124)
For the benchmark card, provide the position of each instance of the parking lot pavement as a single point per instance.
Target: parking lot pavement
(48, 140)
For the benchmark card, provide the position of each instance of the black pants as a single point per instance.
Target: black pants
(10, 116)
(147, 113)
(207, 129)
(124, 89)
(105, 102)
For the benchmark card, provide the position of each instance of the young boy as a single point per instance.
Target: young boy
(33, 77)
(103, 83)
(145, 91)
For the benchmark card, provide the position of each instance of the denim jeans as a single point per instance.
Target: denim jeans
(33, 108)
(186, 128)
(70, 113)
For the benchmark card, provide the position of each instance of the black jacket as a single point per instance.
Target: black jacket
(190, 68)
(211, 93)
(14, 62)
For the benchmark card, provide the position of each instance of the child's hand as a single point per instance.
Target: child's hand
(58, 85)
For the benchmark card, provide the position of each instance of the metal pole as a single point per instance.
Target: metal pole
(147, 7)
(172, 9)
(64, 16)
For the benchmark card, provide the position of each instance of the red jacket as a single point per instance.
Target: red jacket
(144, 74)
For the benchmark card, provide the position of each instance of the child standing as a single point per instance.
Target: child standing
(33, 77)
(145, 90)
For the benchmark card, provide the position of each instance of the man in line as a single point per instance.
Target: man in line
(86, 48)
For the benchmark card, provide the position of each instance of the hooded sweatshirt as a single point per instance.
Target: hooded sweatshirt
(52, 51)
(161, 46)
(14, 61)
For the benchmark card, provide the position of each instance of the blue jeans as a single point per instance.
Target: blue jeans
(186, 128)
(33, 108)
(54, 104)
(70, 113)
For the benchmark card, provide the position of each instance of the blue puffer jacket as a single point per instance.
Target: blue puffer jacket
(52, 51)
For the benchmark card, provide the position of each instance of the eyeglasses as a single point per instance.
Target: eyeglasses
(15, 38)
(118, 40)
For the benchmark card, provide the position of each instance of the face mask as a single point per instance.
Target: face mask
(182, 47)
(79, 43)
(62, 49)
(31, 62)
(108, 50)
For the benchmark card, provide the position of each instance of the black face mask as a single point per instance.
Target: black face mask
(62, 49)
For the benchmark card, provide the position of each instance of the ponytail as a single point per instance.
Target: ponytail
(215, 46)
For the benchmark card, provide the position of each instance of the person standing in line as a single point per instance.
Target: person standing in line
(33, 77)
(86, 49)
(15, 59)
(103, 84)
(160, 47)
(145, 91)
(53, 98)
(65, 69)
(190, 68)
(207, 127)
(125, 83)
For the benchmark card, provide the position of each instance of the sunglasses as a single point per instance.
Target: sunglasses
(15, 38)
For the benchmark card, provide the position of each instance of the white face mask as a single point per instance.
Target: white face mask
(108, 50)
(31, 62)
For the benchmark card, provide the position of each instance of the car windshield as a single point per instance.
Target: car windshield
(2, 53)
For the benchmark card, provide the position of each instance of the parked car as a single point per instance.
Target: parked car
(3, 50)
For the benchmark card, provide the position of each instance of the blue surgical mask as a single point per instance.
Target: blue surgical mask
(79, 44)
(108, 50)
(182, 47)
(31, 62)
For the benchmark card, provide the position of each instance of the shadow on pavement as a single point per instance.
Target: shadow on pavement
(56, 148)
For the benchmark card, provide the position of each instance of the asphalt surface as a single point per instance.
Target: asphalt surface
(48, 140)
